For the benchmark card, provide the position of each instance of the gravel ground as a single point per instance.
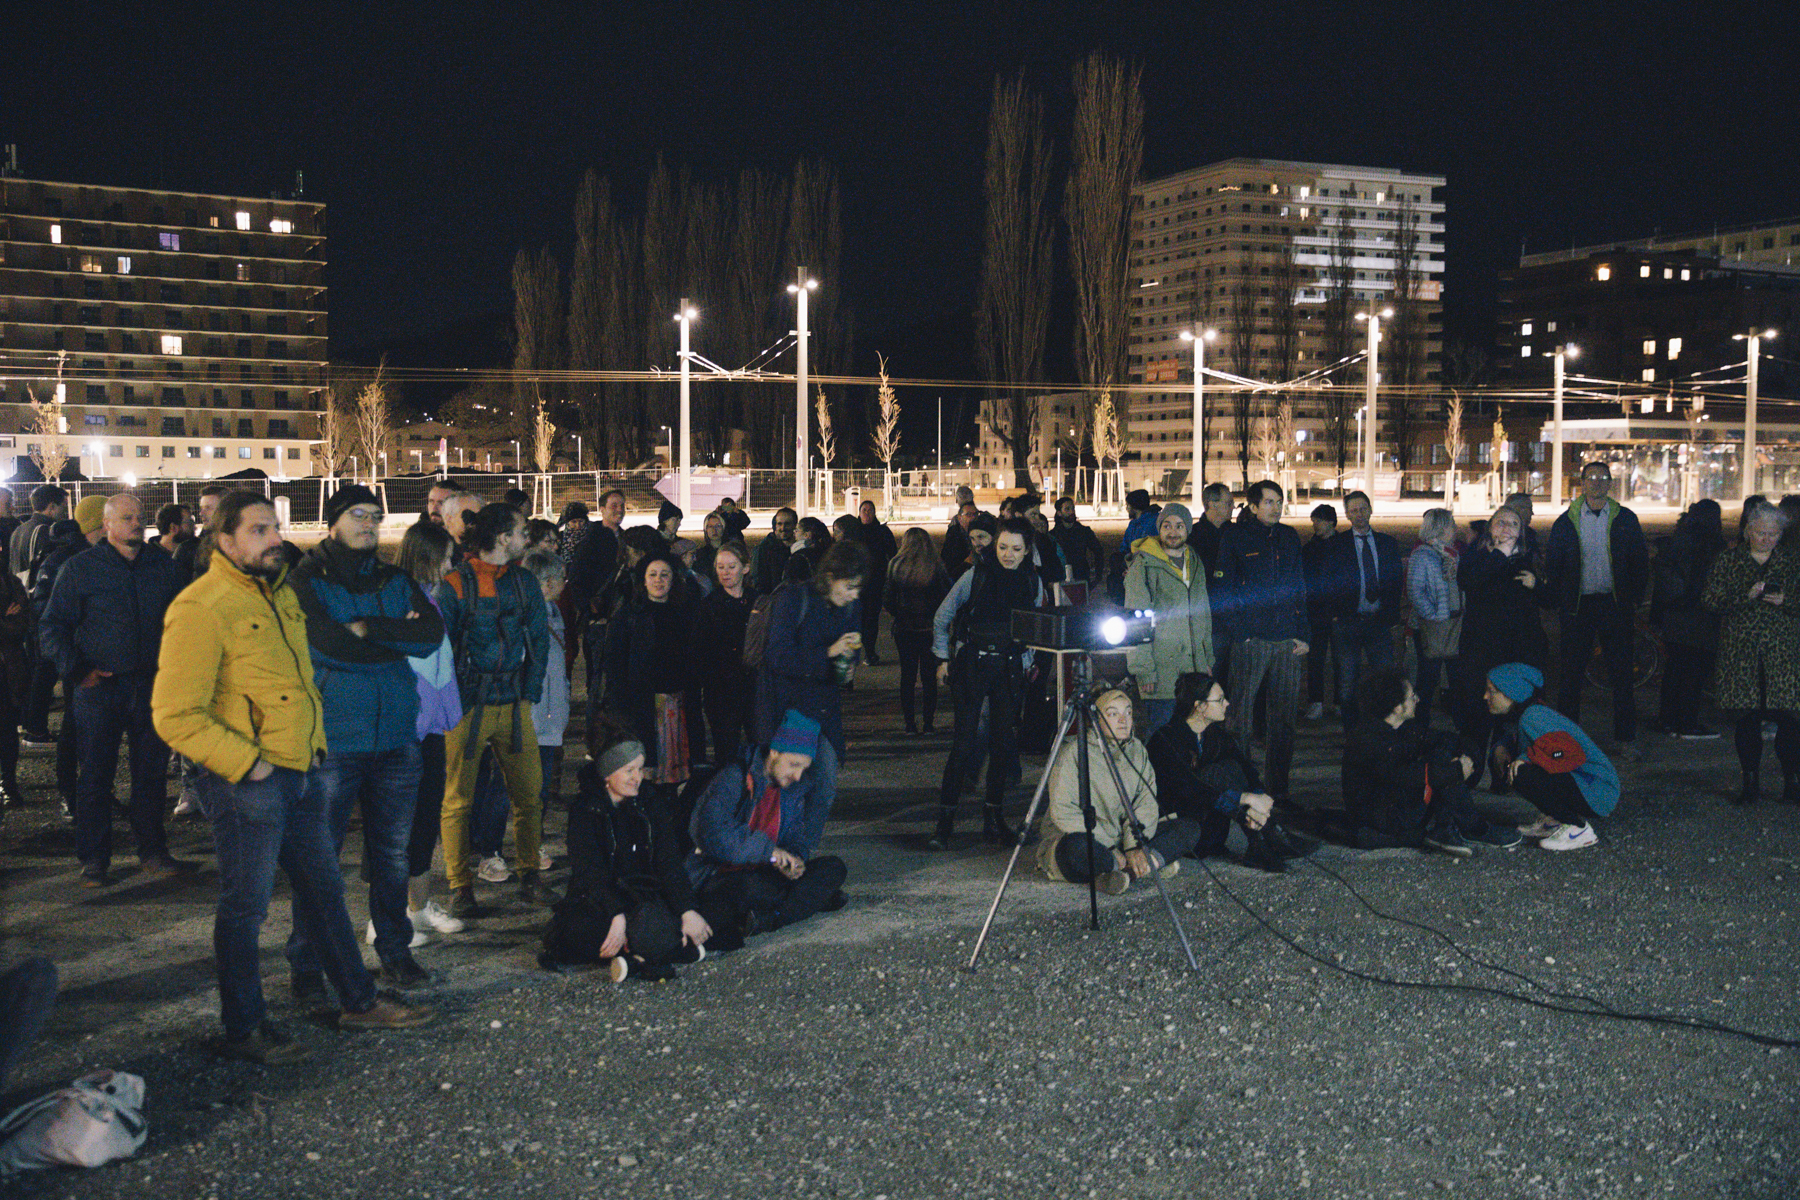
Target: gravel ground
(857, 1057)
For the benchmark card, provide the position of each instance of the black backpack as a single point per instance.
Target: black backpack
(756, 625)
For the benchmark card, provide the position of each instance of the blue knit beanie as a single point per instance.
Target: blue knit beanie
(799, 734)
(1516, 681)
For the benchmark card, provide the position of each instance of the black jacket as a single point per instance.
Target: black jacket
(106, 611)
(1683, 561)
(70, 541)
(596, 562)
(1087, 561)
(1343, 577)
(623, 855)
(1196, 776)
(636, 657)
(1384, 774)
(1262, 587)
(1630, 558)
(1501, 622)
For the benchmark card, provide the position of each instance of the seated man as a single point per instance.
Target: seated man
(1117, 851)
(630, 903)
(756, 827)
(1403, 785)
(1548, 759)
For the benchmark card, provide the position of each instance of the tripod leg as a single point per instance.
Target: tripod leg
(1137, 827)
(1037, 798)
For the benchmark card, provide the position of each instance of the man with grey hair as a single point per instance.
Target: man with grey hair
(457, 510)
(103, 629)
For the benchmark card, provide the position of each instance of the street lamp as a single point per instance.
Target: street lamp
(1374, 320)
(799, 289)
(518, 463)
(1199, 337)
(1560, 354)
(352, 465)
(685, 318)
(578, 452)
(1755, 337)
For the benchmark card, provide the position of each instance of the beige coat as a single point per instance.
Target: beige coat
(1062, 814)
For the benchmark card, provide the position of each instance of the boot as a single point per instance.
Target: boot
(1790, 789)
(946, 822)
(1751, 788)
(1261, 855)
(994, 829)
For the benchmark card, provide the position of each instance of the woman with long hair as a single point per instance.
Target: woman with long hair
(815, 635)
(727, 686)
(916, 584)
(650, 669)
(710, 541)
(1690, 631)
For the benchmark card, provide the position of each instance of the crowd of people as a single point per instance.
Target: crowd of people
(426, 700)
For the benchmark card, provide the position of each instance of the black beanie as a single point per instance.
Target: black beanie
(668, 510)
(346, 498)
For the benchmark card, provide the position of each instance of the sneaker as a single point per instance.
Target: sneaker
(1500, 837)
(544, 863)
(1315, 711)
(1113, 883)
(619, 969)
(1697, 733)
(1543, 827)
(161, 866)
(493, 870)
(386, 1014)
(403, 972)
(532, 890)
(419, 937)
(268, 1045)
(1570, 837)
(37, 738)
(188, 805)
(434, 918)
(462, 903)
(1449, 840)
(693, 952)
(95, 875)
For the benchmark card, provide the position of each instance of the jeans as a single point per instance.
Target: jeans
(491, 726)
(1556, 796)
(1173, 839)
(428, 810)
(550, 762)
(113, 707)
(38, 695)
(257, 826)
(1252, 662)
(1319, 629)
(916, 663)
(384, 784)
(1353, 638)
(1598, 618)
(1432, 672)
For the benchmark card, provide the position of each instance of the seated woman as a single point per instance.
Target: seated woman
(630, 902)
(1115, 849)
(1403, 785)
(1202, 774)
(1549, 760)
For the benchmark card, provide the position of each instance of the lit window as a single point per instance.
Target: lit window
(1603, 274)
(1685, 273)
(56, 234)
(1524, 352)
(193, 452)
(243, 452)
(243, 220)
(1649, 347)
(213, 220)
(124, 264)
(90, 264)
(1305, 190)
(171, 343)
(1668, 272)
(281, 226)
(141, 451)
(1525, 329)
(243, 273)
(1674, 349)
(1549, 326)
(1644, 271)
(1649, 375)
(168, 240)
(1380, 197)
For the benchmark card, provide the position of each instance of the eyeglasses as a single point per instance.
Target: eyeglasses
(363, 514)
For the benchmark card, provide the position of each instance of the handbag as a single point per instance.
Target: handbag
(1441, 639)
(94, 1120)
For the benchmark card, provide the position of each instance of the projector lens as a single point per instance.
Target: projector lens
(1113, 630)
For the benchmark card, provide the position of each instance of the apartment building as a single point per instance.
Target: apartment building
(1276, 258)
(177, 335)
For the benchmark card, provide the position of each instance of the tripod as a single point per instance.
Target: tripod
(1080, 716)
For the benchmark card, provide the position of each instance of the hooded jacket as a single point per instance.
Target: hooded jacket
(1183, 639)
(371, 693)
(235, 680)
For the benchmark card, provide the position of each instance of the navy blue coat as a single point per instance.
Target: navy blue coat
(722, 833)
(796, 671)
(106, 611)
(1262, 584)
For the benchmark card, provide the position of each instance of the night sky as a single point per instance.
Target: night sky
(444, 138)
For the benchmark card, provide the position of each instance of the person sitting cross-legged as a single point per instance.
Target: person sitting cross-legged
(1404, 785)
(756, 827)
(1548, 759)
(1113, 848)
(629, 902)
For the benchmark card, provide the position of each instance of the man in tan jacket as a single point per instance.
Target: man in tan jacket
(234, 693)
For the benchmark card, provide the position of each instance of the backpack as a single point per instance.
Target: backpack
(94, 1120)
(756, 626)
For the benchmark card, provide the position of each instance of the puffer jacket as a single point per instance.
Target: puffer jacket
(234, 682)
(371, 694)
(1062, 816)
(495, 618)
(440, 700)
(1184, 636)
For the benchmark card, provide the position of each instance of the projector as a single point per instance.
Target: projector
(1089, 629)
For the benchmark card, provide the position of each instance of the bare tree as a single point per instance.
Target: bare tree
(887, 431)
(590, 299)
(827, 439)
(543, 436)
(1497, 449)
(48, 424)
(1400, 340)
(1106, 432)
(537, 330)
(1106, 155)
(1265, 435)
(1012, 311)
(1287, 443)
(374, 418)
(335, 434)
(1453, 436)
(1339, 333)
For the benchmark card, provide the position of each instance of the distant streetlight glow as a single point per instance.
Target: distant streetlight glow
(799, 290)
(1199, 337)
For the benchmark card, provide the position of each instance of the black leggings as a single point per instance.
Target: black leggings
(1172, 839)
(1556, 796)
(916, 662)
(428, 808)
(1749, 739)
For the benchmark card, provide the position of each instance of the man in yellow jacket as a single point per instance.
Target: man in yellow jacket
(234, 693)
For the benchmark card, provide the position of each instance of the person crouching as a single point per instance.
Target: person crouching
(1117, 855)
(1549, 760)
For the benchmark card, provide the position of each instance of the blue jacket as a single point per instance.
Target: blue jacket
(371, 693)
(797, 672)
(722, 833)
(1560, 747)
(106, 611)
(495, 618)
(1262, 592)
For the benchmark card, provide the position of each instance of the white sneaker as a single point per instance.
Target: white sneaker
(1570, 837)
(1315, 711)
(420, 937)
(435, 918)
(493, 870)
(188, 805)
(1543, 827)
(544, 863)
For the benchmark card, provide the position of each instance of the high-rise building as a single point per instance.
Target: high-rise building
(1769, 244)
(178, 335)
(1277, 257)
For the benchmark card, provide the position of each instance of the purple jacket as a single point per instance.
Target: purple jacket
(440, 703)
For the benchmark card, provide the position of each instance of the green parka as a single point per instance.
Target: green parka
(1184, 637)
